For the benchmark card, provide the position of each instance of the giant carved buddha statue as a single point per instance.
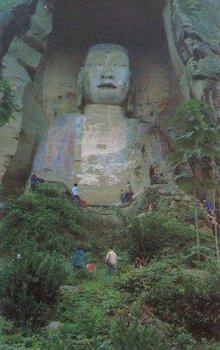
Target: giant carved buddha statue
(103, 145)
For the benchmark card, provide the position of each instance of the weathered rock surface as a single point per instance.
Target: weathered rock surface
(19, 66)
(172, 202)
(193, 33)
(15, 21)
(53, 326)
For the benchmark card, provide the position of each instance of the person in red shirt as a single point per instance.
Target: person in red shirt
(91, 267)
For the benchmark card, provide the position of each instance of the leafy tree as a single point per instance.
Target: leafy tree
(29, 287)
(7, 105)
(197, 140)
(196, 148)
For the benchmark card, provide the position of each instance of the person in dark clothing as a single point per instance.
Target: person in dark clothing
(152, 170)
(123, 197)
(208, 205)
(129, 193)
(35, 180)
(79, 258)
(152, 174)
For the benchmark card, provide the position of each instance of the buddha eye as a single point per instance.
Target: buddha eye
(124, 65)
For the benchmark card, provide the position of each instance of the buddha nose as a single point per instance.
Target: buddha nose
(107, 73)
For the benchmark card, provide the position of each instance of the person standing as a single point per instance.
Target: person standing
(151, 174)
(79, 258)
(154, 175)
(123, 197)
(75, 193)
(129, 192)
(111, 260)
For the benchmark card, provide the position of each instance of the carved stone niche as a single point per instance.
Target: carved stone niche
(52, 97)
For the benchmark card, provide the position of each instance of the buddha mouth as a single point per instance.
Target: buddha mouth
(107, 86)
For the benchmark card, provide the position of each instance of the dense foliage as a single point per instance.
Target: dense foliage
(176, 295)
(29, 287)
(170, 300)
(196, 145)
(154, 235)
(42, 228)
(7, 105)
(42, 220)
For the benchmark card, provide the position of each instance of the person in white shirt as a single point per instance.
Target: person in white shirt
(75, 192)
(111, 260)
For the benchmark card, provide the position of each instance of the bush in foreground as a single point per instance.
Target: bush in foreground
(29, 288)
(152, 235)
(45, 219)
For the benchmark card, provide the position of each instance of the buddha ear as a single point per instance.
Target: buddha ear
(80, 88)
(129, 103)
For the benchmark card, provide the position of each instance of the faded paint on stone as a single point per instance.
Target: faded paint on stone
(101, 148)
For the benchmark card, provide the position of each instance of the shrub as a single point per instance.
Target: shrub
(183, 340)
(7, 106)
(86, 315)
(44, 219)
(92, 303)
(153, 235)
(135, 281)
(136, 337)
(199, 256)
(186, 298)
(29, 288)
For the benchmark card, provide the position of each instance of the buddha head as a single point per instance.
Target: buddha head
(105, 77)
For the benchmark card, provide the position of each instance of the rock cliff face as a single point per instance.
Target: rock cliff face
(193, 33)
(174, 53)
(28, 24)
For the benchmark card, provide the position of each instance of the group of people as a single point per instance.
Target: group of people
(80, 261)
(36, 181)
(211, 215)
(127, 194)
(156, 177)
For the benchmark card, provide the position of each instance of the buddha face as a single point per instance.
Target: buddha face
(106, 75)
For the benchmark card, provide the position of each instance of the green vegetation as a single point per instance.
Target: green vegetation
(30, 288)
(196, 150)
(155, 236)
(44, 228)
(172, 300)
(7, 106)
(196, 145)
